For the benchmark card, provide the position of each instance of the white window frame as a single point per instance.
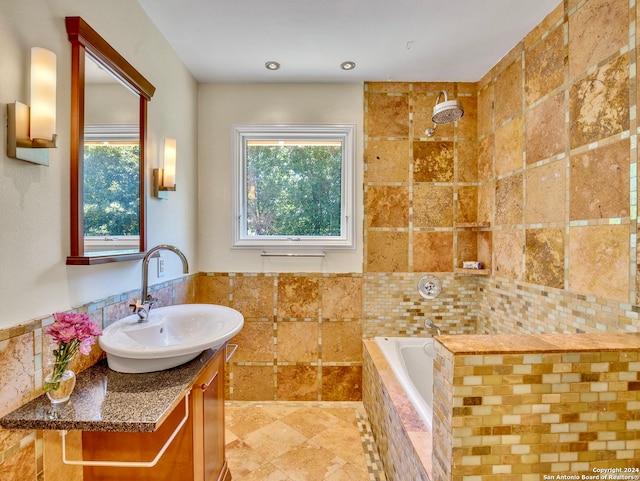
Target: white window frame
(345, 133)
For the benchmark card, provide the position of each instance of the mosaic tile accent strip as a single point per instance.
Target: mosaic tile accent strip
(514, 307)
(372, 456)
(393, 307)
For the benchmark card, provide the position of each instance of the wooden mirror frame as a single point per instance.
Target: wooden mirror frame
(85, 40)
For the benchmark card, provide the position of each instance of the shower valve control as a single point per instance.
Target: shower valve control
(429, 287)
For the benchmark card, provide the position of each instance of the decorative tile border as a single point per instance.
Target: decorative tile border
(393, 307)
(513, 307)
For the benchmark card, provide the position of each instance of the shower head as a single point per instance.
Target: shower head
(445, 112)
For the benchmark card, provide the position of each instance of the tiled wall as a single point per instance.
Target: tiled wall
(509, 306)
(546, 154)
(302, 335)
(392, 305)
(417, 191)
(522, 408)
(557, 172)
(416, 188)
(24, 350)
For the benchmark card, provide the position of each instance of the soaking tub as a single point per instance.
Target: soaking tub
(411, 360)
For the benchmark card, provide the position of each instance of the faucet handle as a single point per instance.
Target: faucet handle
(136, 306)
(150, 300)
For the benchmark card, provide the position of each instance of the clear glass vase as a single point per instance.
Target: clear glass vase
(59, 382)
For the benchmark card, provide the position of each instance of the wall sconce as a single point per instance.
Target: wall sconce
(164, 180)
(31, 131)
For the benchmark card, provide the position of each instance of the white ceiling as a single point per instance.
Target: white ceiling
(399, 40)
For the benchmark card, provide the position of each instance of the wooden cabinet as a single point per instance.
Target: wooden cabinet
(207, 400)
(197, 451)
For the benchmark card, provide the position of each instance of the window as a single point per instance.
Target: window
(294, 186)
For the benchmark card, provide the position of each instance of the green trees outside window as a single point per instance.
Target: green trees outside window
(111, 189)
(293, 189)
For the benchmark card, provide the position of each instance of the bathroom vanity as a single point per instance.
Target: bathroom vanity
(127, 420)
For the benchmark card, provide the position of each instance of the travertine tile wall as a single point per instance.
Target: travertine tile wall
(302, 335)
(24, 350)
(546, 154)
(417, 190)
(417, 187)
(557, 172)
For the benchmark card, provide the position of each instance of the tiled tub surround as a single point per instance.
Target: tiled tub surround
(485, 305)
(521, 407)
(393, 307)
(546, 153)
(507, 306)
(404, 441)
(512, 407)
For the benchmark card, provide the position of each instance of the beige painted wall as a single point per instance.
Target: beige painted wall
(34, 200)
(222, 105)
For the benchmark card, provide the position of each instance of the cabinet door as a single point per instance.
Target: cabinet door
(175, 464)
(210, 428)
(214, 428)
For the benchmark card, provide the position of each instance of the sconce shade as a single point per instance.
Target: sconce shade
(31, 130)
(169, 178)
(43, 94)
(164, 180)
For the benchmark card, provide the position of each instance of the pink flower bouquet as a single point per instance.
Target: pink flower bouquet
(72, 332)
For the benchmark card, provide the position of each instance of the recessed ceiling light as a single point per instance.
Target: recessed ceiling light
(348, 65)
(272, 65)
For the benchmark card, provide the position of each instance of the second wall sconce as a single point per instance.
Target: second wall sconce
(31, 131)
(164, 180)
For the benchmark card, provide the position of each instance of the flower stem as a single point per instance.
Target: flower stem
(63, 356)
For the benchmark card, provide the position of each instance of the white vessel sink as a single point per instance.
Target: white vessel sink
(171, 336)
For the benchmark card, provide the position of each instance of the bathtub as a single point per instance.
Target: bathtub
(411, 360)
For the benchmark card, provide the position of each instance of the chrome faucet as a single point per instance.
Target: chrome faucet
(143, 306)
(429, 324)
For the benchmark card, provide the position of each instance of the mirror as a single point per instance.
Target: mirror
(108, 132)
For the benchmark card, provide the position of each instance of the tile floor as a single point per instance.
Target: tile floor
(300, 441)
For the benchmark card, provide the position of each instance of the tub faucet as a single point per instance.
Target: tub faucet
(143, 306)
(429, 324)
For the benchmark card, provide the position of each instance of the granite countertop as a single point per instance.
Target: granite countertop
(105, 400)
